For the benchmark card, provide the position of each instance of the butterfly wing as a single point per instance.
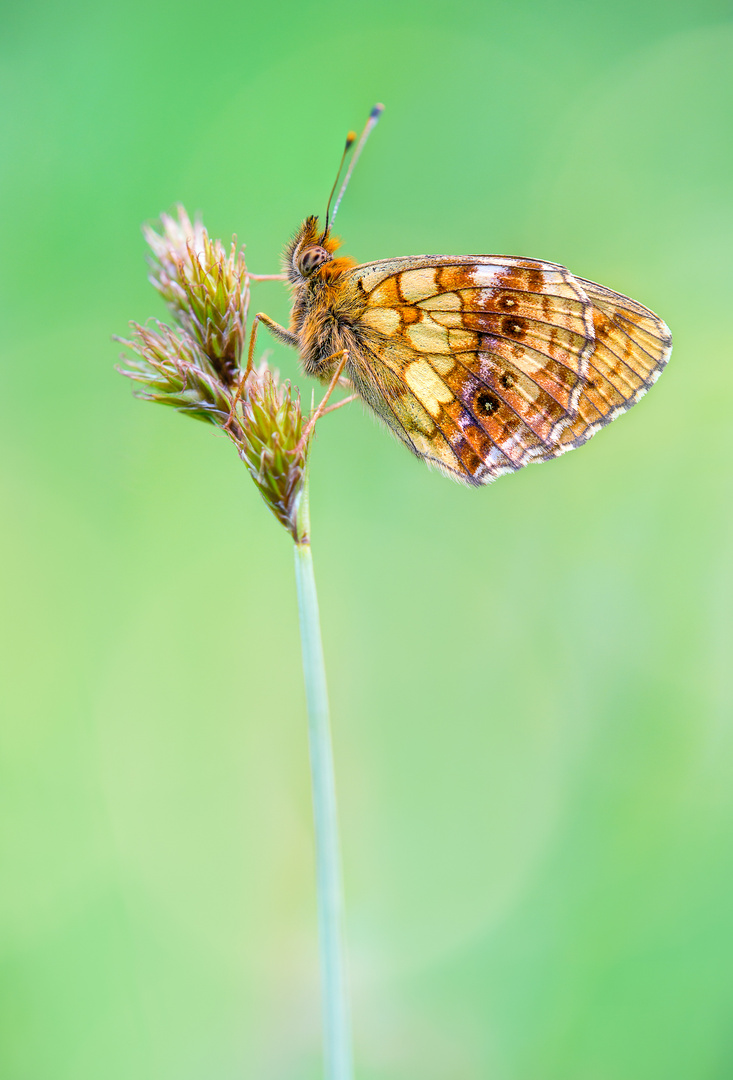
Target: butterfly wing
(632, 347)
(476, 362)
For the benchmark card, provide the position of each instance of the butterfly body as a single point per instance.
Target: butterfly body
(480, 364)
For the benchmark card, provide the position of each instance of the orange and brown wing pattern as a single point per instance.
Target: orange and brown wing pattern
(477, 362)
(632, 347)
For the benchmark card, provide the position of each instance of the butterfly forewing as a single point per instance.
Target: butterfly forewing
(489, 353)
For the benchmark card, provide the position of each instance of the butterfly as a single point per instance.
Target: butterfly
(479, 364)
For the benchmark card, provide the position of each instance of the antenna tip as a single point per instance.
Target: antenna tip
(376, 111)
(350, 139)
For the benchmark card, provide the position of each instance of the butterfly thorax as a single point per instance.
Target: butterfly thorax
(326, 305)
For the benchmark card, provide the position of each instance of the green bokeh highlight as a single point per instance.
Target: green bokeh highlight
(531, 684)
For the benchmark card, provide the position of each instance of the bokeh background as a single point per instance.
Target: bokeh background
(532, 684)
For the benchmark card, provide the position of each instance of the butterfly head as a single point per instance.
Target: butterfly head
(309, 249)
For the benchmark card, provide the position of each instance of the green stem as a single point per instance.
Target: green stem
(336, 1022)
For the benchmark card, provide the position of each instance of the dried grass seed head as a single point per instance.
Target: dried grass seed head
(205, 287)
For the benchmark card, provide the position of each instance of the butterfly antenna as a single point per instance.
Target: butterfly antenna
(350, 140)
(370, 124)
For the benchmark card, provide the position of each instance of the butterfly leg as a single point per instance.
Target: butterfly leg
(344, 354)
(344, 401)
(277, 331)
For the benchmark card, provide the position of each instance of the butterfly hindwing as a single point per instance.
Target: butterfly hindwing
(632, 348)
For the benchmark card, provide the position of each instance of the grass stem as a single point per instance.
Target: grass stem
(336, 1020)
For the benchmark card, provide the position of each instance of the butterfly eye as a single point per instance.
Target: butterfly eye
(312, 258)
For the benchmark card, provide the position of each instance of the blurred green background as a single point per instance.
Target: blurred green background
(532, 684)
